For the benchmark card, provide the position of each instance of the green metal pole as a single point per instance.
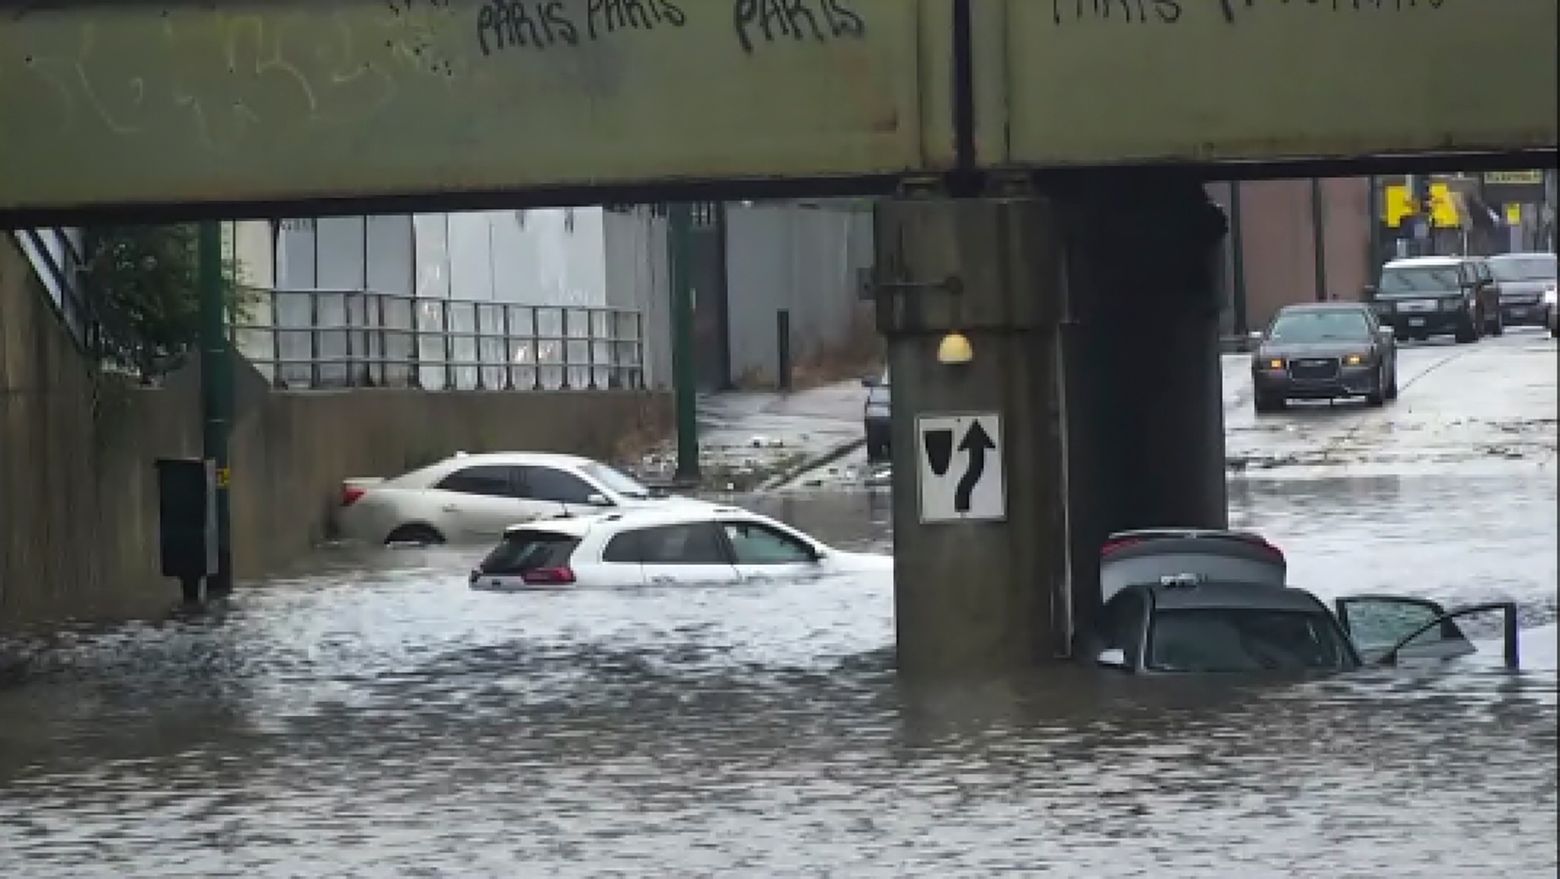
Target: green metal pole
(216, 381)
(1319, 239)
(680, 233)
(1376, 214)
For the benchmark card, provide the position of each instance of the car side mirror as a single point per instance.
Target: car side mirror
(598, 500)
(1368, 293)
(1115, 658)
(1254, 336)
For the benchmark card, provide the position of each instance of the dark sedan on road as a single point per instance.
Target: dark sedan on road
(875, 417)
(1527, 287)
(1323, 351)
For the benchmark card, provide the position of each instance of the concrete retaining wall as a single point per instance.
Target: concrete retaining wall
(78, 494)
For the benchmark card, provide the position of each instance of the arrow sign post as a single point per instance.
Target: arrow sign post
(976, 443)
(960, 469)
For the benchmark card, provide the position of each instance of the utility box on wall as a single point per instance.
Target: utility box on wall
(187, 519)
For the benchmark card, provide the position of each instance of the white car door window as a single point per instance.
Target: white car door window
(481, 501)
(672, 554)
(762, 552)
(557, 490)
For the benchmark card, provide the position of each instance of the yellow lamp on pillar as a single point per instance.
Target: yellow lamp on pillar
(955, 350)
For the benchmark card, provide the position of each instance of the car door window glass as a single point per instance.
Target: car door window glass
(681, 545)
(755, 544)
(484, 481)
(624, 548)
(556, 486)
(1381, 624)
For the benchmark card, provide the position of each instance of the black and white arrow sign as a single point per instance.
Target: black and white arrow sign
(961, 476)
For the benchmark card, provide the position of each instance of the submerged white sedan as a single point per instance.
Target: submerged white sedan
(679, 546)
(471, 498)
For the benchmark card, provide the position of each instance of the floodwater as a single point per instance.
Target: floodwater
(373, 717)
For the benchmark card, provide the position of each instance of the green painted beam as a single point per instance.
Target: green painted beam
(270, 102)
(147, 102)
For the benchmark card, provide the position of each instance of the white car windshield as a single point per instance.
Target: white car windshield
(615, 480)
(1524, 268)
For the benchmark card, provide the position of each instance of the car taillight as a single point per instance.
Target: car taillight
(1262, 544)
(1114, 546)
(559, 576)
(350, 494)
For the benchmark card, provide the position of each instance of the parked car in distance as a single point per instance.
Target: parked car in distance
(475, 497)
(1180, 613)
(875, 417)
(1438, 295)
(1323, 351)
(1527, 288)
(680, 546)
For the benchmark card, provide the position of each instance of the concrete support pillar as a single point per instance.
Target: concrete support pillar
(1144, 396)
(975, 596)
(1094, 319)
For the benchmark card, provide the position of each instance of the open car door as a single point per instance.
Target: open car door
(1389, 628)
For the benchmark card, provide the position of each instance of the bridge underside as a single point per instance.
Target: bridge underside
(255, 108)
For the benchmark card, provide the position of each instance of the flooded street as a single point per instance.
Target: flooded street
(371, 716)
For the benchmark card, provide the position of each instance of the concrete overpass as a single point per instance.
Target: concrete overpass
(1045, 156)
(241, 106)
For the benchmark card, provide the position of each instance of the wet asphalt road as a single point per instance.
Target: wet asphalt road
(370, 716)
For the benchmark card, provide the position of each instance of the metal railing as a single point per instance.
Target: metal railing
(57, 259)
(319, 339)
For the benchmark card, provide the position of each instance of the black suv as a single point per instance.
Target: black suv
(1438, 295)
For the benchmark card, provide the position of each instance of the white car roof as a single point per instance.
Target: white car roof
(1426, 262)
(555, 459)
(623, 520)
(439, 469)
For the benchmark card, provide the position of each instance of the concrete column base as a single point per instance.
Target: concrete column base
(1095, 333)
(975, 596)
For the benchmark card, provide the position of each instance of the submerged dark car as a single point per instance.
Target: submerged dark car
(1185, 624)
(1189, 602)
(1324, 351)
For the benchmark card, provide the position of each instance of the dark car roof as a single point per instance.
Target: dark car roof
(1234, 596)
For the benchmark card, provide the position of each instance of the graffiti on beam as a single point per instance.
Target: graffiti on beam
(1065, 12)
(776, 21)
(542, 24)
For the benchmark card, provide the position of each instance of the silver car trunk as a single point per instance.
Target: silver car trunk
(1135, 557)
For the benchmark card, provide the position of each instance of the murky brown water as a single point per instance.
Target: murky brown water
(375, 718)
